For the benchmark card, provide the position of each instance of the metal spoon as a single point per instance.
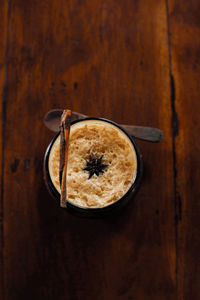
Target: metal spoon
(52, 122)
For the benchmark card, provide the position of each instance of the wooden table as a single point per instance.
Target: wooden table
(134, 62)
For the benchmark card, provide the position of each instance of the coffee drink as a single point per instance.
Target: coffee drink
(102, 164)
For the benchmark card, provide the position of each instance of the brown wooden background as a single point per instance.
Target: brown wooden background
(133, 61)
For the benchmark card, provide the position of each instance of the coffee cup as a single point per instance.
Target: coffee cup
(104, 167)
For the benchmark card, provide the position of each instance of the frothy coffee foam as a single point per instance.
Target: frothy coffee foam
(99, 138)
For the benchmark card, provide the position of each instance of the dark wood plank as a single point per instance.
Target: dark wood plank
(101, 58)
(3, 48)
(185, 54)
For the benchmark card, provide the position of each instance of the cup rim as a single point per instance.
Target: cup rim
(79, 208)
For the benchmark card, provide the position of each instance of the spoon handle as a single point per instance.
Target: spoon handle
(140, 132)
(144, 133)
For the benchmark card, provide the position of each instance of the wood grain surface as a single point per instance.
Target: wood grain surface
(134, 62)
(3, 89)
(185, 71)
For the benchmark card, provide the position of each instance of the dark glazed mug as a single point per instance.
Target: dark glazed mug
(101, 211)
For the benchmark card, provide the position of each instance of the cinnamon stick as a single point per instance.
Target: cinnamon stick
(64, 145)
